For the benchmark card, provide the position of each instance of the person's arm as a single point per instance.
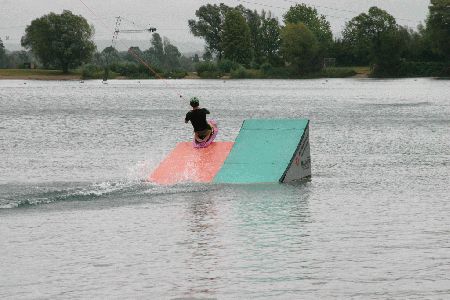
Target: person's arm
(206, 111)
(187, 118)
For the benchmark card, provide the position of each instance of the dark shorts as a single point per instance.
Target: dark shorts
(203, 133)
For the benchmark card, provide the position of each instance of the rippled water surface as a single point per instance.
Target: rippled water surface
(78, 220)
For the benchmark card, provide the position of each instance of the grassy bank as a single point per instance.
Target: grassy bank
(286, 73)
(362, 71)
(38, 74)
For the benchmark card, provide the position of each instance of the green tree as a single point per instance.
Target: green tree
(340, 50)
(387, 49)
(209, 26)
(186, 64)
(415, 45)
(299, 47)
(171, 56)
(111, 54)
(236, 40)
(423, 45)
(264, 35)
(318, 24)
(270, 39)
(195, 59)
(365, 30)
(62, 41)
(254, 23)
(157, 47)
(409, 40)
(2, 54)
(263, 28)
(162, 54)
(108, 56)
(155, 54)
(438, 27)
(132, 53)
(17, 59)
(207, 55)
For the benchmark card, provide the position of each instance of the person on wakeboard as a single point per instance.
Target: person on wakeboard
(197, 116)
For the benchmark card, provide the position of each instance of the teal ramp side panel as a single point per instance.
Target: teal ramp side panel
(262, 151)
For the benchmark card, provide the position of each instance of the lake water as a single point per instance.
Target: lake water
(77, 219)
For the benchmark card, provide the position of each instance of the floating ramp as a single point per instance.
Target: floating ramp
(266, 150)
(188, 164)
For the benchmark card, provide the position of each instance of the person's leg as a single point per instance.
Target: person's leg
(197, 137)
(201, 136)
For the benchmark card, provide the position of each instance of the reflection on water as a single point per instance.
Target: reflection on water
(203, 243)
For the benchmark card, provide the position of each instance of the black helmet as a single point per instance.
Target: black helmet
(194, 102)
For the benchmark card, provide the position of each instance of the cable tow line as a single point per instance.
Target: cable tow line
(133, 53)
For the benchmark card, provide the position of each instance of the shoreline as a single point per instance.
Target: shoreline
(54, 75)
(76, 75)
(78, 78)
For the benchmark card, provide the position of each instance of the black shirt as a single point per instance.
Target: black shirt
(198, 118)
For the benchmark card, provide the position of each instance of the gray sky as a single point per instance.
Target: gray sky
(170, 16)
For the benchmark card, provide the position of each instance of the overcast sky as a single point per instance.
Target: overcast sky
(170, 16)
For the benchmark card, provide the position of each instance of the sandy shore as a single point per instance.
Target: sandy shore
(65, 77)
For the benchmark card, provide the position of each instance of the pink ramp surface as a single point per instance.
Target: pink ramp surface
(188, 164)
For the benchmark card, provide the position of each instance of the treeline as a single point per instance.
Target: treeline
(162, 58)
(64, 41)
(247, 40)
(246, 43)
(14, 59)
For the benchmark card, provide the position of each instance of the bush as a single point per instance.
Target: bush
(226, 65)
(242, 72)
(337, 72)
(280, 72)
(91, 71)
(208, 69)
(175, 74)
(254, 65)
(424, 69)
(386, 71)
(206, 66)
(132, 70)
(125, 68)
(266, 68)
